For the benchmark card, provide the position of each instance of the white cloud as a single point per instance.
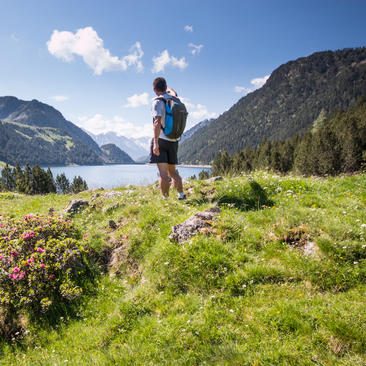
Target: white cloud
(188, 28)
(100, 124)
(60, 98)
(87, 44)
(256, 84)
(137, 100)
(197, 113)
(160, 62)
(14, 37)
(259, 82)
(196, 49)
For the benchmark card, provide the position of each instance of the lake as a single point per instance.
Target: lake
(111, 176)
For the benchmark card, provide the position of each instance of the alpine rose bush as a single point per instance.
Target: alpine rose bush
(41, 259)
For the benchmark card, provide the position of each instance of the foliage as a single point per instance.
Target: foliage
(337, 145)
(297, 94)
(40, 261)
(37, 181)
(203, 174)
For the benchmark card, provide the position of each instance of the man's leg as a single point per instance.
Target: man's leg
(164, 178)
(177, 180)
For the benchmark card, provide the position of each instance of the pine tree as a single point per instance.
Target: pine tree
(78, 185)
(19, 179)
(7, 182)
(28, 187)
(62, 183)
(51, 186)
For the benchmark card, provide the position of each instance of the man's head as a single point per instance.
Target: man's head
(159, 85)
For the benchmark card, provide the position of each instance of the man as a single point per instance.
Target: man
(164, 150)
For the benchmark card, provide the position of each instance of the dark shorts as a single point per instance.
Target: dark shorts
(168, 152)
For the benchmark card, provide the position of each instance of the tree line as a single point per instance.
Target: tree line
(35, 180)
(334, 145)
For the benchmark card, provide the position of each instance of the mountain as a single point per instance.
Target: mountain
(186, 135)
(35, 113)
(20, 143)
(34, 132)
(294, 96)
(136, 148)
(115, 155)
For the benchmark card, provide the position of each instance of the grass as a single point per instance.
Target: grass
(243, 294)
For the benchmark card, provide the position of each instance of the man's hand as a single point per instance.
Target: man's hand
(156, 148)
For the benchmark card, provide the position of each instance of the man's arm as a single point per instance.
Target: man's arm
(157, 128)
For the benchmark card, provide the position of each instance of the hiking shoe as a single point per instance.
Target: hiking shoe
(181, 196)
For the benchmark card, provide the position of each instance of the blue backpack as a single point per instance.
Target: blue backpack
(175, 117)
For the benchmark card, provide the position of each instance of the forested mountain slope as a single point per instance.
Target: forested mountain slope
(291, 100)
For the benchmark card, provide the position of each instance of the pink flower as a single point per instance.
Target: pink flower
(21, 275)
(41, 250)
(16, 270)
(1, 256)
(84, 235)
(43, 265)
(52, 275)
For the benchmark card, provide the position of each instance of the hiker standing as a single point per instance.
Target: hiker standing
(164, 145)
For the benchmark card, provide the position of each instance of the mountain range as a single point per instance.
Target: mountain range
(293, 97)
(36, 133)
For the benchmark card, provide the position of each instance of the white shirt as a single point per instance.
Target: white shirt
(158, 110)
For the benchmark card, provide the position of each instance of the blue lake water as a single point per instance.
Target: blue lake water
(111, 176)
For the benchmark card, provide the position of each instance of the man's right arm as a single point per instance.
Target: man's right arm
(157, 128)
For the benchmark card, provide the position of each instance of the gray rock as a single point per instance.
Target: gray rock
(112, 208)
(214, 179)
(112, 224)
(95, 196)
(198, 221)
(310, 248)
(113, 194)
(76, 206)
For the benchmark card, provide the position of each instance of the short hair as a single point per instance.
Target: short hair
(160, 84)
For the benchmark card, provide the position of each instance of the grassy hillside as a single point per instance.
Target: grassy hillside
(276, 283)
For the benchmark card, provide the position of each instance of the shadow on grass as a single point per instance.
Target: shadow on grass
(250, 196)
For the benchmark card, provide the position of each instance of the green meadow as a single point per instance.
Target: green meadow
(278, 278)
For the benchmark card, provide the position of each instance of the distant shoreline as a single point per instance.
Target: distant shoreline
(195, 166)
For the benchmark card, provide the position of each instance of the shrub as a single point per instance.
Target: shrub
(41, 259)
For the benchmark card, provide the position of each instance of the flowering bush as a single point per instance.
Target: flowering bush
(41, 259)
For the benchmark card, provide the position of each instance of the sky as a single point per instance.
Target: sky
(95, 61)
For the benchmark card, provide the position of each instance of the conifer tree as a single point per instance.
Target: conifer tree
(7, 182)
(19, 179)
(62, 183)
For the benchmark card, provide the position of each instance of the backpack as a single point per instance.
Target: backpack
(175, 117)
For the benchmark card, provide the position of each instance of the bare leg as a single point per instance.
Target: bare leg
(164, 178)
(176, 179)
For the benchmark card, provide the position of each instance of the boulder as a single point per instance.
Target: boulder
(200, 222)
(113, 194)
(214, 179)
(112, 225)
(76, 206)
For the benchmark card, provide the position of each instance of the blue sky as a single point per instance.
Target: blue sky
(95, 60)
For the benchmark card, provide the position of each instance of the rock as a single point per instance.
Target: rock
(310, 248)
(76, 206)
(214, 179)
(95, 197)
(112, 208)
(198, 222)
(129, 191)
(113, 194)
(112, 224)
